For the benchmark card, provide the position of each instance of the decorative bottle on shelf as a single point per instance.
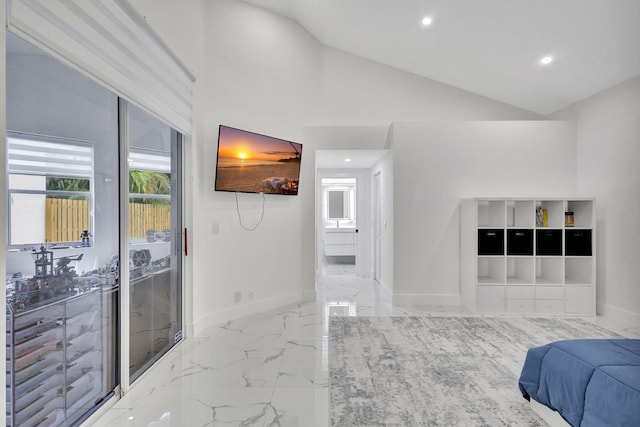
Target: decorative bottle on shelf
(538, 217)
(568, 219)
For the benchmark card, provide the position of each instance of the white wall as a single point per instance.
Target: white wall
(440, 162)
(356, 90)
(258, 75)
(608, 152)
(265, 73)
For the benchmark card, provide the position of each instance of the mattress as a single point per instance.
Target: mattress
(593, 382)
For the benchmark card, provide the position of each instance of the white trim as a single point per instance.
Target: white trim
(551, 417)
(125, 301)
(426, 299)
(187, 224)
(385, 287)
(619, 315)
(255, 307)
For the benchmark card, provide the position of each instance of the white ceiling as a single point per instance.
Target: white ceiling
(489, 47)
(360, 159)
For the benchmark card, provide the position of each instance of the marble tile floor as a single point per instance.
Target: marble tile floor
(269, 369)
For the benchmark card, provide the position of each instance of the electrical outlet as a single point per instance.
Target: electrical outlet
(250, 295)
(215, 228)
(237, 296)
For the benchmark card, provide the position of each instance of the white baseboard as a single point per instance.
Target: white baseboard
(426, 299)
(619, 315)
(258, 306)
(189, 330)
(385, 287)
(551, 417)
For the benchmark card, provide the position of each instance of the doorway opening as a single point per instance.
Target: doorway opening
(339, 225)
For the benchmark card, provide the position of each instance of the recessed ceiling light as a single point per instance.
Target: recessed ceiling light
(426, 21)
(546, 60)
(347, 160)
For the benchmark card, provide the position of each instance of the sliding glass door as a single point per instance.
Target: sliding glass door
(67, 291)
(63, 290)
(155, 286)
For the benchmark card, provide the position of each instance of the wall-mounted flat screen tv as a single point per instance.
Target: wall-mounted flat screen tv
(252, 163)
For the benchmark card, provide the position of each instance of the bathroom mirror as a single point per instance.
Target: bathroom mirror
(337, 203)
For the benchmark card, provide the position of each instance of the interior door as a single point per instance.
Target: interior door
(377, 227)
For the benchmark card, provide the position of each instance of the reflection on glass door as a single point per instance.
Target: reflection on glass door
(63, 266)
(154, 240)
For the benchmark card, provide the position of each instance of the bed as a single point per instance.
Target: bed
(592, 382)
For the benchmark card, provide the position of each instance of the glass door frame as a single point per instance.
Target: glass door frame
(177, 247)
(125, 302)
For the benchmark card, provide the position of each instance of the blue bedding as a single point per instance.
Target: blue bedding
(593, 382)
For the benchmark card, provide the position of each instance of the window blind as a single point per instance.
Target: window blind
(34, 157)
(149, 161)
(108, 41)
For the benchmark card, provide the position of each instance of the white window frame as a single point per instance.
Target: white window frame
(36, 162)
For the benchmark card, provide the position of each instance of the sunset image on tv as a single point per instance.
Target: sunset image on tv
(252, 163)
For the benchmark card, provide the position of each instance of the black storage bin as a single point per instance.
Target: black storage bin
(520, 242)
(549, 242)
(491, 242)
(577, 242)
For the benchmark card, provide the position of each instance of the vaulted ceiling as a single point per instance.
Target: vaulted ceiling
(489, 47)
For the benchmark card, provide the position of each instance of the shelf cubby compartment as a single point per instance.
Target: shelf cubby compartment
(582, 212)
(491, 213)
(577, 242)
(490, 241)
(555, 212)
(578, 271)
(548, 242)
(521, 213)
(549, 271)
(491, 270)
(520, 271)
(520, 241)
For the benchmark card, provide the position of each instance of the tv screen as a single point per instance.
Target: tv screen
(252, 163)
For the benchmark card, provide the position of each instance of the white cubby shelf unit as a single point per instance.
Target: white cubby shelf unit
(513, 261)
